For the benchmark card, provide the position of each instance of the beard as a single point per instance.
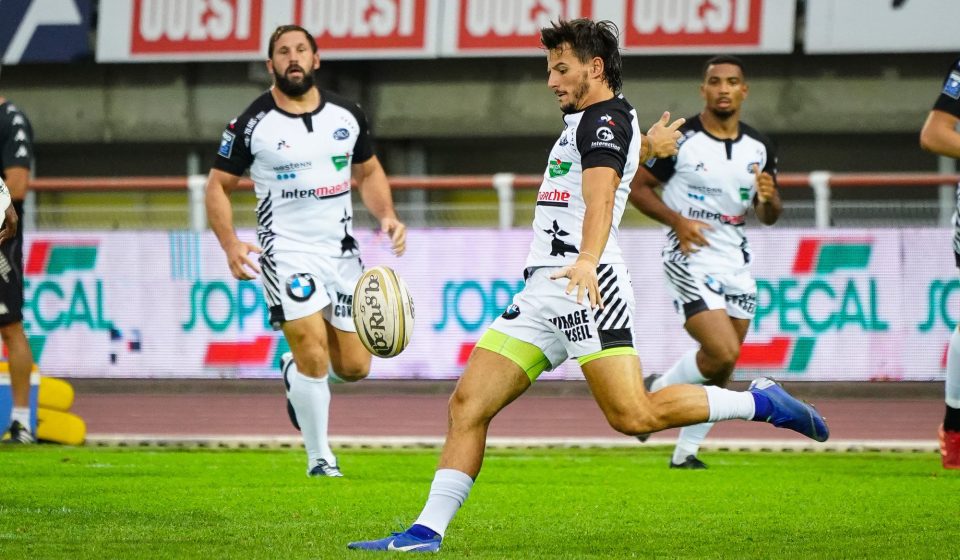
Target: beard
(723, 114)
(578, 94)
(293, 88)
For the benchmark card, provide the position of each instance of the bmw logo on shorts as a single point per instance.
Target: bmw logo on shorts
(512, 312)
(714, 285)
(301, 286)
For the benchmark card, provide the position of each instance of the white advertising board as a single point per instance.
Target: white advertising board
(844, 305)
(866, 26)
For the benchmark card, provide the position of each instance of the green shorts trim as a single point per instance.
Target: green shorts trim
(531, 359)
(618, 351)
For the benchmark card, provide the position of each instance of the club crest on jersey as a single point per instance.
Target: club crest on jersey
(559, 247)
(341, 134)
(300, 286)
(605, 134)
(226, 144)
(951, 87)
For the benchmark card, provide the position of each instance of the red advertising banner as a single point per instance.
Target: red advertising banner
(511, 27)
(172, 26)
(365, 25)
(499, 24)
(171, 30)
(685, 23)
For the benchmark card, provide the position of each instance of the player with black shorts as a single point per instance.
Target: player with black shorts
(577, 301)
(303, 145)
(939, 135)
(16, 160)
(723, 168)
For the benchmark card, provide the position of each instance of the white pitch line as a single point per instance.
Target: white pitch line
(434, 442)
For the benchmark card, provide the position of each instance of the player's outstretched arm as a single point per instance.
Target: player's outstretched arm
(661, 140)
(376, 196)
(599, 192)
(644, 198)
(220, 216)
(939, 134)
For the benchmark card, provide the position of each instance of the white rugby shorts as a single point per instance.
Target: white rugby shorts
(544, 315)
(297, 284)
(694, 290)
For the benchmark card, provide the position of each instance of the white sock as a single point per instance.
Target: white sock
(310, 397)
(21, 414)
(728, 405)
(684, 371)
(953, 371)
(689, 441)
(449, 490)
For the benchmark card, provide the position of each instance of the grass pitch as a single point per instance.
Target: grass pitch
(577, 503)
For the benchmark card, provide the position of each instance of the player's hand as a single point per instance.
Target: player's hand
(10, 224)
(238, 257)
(664, 137)
(397, 232)
(690, 234)
(583, 278)
(766, 188)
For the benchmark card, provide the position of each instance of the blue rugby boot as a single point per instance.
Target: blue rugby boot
(415, 539)
(778, 407)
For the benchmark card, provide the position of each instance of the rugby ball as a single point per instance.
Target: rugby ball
(383, 312)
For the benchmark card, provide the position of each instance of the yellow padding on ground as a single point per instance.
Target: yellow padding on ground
(60, 427)
(55, 394)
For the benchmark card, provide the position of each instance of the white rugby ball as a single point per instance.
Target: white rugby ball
(383, 312)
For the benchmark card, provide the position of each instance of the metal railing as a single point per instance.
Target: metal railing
(505, 185)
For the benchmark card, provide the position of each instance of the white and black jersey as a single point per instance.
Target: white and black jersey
(604, 134)
(713, 180)
(16, 150)
(300, 166)
(949, 102)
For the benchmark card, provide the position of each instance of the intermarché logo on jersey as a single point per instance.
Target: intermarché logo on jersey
(318, 192)
(559, 168)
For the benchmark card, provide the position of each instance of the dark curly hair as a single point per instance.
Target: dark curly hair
(588, 39)
(723, 59)
(275, 36)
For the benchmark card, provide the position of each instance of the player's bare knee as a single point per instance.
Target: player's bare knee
(464, 412)
(634, 422)
(353, 372)
(312, 364)
(720, 362)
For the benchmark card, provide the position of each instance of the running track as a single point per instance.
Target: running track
(190, 409)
